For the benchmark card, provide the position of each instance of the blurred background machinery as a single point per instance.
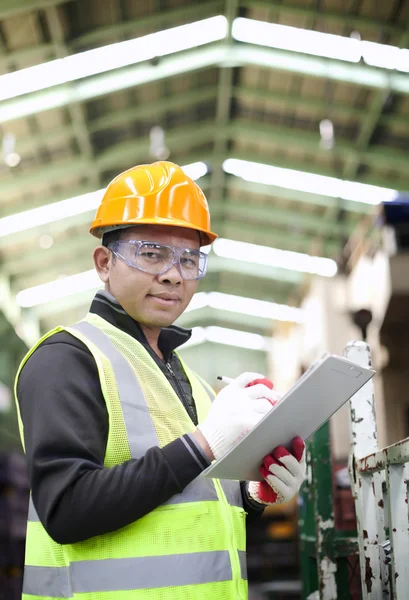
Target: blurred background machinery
(293, 116)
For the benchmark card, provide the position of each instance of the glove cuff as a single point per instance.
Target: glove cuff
(215, 439)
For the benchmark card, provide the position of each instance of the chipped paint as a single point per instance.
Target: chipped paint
(368, 574)
(328, 586)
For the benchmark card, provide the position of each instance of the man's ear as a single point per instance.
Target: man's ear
(102, 261)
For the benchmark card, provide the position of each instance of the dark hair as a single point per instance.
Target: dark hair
(112, 236)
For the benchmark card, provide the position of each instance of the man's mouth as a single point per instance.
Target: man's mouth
(165, 299)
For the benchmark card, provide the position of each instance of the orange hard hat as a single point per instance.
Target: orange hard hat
(156, 194)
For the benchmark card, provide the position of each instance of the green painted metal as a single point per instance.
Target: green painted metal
(265, 235)
(190, 98)
(344, 19)
(153, 110)
(324, 551)
(218, 264)
(223, 109)
(213, 55)
(354, 209)
(30, 180)
(329, 108)
(370, 122)
(273, 215)
(9, 8)
(287, 137)
(149, 23)
(75, 109)
(204, 317)
(179, 140)
(38, 53)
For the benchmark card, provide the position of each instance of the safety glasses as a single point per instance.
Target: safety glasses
(157, 259)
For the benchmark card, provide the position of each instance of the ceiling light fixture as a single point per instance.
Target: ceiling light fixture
(230, 337)
(308, 182)
(112, 56)
(246, 306)
(326, 45)
(274, 257)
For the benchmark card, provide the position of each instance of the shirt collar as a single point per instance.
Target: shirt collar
(108, 307)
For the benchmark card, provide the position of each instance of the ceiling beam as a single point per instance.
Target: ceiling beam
(97, 36)
(152, 110)
(369, 123)
(211, 316)
(148, 23)
(179, 139)
(272, 215)
(287, 137)
(75, 109)
(214, 55)
(354, 209)
(328, 108)
(10, 8)
(148, 110)
(265, 235)
(223, 109)
(344, 19)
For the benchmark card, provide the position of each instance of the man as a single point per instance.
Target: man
(117, 428)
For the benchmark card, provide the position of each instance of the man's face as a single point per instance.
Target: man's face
(152, 300)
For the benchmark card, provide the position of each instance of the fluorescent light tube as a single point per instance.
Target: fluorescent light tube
(49, 213)
(233, 337)
(274, 257)
(230, 337)
(70, 207)
(246, 306)
(59, 288)
(308, 182)
(326, 45)
(296, 39)
(113, 56)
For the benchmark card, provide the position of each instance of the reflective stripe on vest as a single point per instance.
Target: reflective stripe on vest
(130, 574)
(140, 431)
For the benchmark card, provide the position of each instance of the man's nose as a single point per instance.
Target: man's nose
(172, 276)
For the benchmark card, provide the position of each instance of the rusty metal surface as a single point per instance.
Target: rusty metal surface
(396, 454)
(367, 487)
(397, 476)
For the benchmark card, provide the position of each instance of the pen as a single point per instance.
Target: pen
(225, 379)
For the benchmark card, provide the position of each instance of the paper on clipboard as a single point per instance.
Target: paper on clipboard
(318, 394)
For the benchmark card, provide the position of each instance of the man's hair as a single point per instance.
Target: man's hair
(112, 236)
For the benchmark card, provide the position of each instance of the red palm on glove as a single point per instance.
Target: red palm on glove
(267, 383)
(283, 474)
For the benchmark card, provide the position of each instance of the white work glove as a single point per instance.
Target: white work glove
(283, 473)
(236, 409)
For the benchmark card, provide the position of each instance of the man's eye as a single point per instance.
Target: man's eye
(189, 262)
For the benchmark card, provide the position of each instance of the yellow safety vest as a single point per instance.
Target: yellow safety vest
(190, 547)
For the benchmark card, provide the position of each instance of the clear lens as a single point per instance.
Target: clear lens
(192, 264)
(156, 258)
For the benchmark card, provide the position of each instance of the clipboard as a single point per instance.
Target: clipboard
(315, 397)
